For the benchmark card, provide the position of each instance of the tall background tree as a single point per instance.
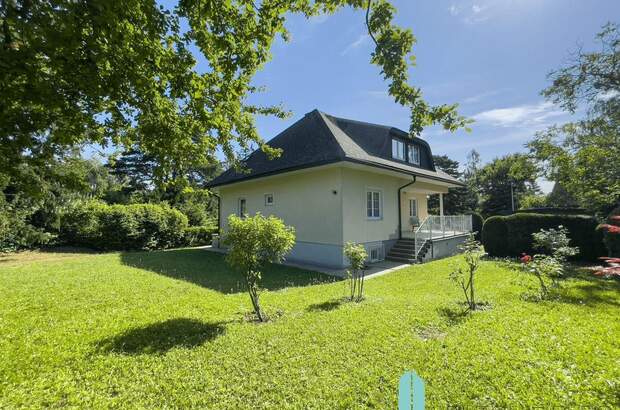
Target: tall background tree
(584, 156)
(503, 180)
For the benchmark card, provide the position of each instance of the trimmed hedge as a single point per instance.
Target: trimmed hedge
(512, 235)
(199, 235)
(477, 221)
(123, 227)
(552, 211)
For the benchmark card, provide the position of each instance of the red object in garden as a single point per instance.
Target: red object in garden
(525, 258)
(611, 228)
(612, 270)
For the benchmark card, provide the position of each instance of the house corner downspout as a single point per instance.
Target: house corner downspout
(219, 210)
(398, 204)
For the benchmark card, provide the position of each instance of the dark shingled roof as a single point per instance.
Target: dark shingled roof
(319, 139)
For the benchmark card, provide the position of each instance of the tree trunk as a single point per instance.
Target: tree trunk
(472, 301)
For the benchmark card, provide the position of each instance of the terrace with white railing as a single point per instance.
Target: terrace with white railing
(414, 243)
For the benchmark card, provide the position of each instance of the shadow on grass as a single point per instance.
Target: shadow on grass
(326, 306)
(596, 292)
(209, 269)
(158, 338)
(453, 316)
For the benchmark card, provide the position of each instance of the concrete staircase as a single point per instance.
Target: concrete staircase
(408, 250)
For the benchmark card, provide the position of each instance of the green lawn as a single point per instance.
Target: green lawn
(167, 329)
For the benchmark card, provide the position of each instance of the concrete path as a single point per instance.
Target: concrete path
(374, 269)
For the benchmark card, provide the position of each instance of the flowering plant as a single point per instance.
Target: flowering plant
(548, 268)
(612, 270)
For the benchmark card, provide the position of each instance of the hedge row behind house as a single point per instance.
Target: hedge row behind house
(512, 235)
(123, 227)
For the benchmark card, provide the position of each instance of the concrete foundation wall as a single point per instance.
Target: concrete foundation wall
(442, 248)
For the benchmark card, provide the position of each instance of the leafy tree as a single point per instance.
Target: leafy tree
(583, 156)
(533, 201)
(465, 276)
(550, 265)
(253, 242)
(357, 255)
(470, 177)
(123, 73)
(456, 201)
(560, 197)
(504, 178)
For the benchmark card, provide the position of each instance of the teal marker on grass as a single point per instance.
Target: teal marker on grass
(411, 392)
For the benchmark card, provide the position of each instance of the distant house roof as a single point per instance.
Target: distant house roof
(320, 139)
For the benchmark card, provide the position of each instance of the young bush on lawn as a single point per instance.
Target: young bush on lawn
(464, 275)
(355, 275)
(253, 242)
(549, 267)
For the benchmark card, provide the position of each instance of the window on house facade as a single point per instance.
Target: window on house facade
(413, 154)
(373, 204)
(375, 253)
(413, 207)
(398, 150)
(268, 199)
(242, 207)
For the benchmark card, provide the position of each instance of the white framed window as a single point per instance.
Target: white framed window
(242, 207)
(268, 199)
(375, 253)
(413, 154)
(373, 204)
(413, 207)
(398, 149)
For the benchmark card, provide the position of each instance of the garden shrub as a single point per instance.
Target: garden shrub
(123, 227)
(612, 233)
(553, 210)
(494, 232)
(199, 235)
(476, 224)
(255, 241)
(512, 235)
(357, 255)
(17, 233)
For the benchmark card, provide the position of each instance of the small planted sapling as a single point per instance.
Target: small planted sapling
(357, 256)
(253, 243)
(549, 267)
(464, 275)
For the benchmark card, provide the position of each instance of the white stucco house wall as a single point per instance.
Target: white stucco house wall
(340, 181)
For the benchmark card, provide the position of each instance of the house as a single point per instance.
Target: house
(340, 181)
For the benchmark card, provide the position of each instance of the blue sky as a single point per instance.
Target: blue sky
(490, 56)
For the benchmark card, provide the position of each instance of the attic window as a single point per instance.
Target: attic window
(413, 154)
(398, 150)
(268, 199)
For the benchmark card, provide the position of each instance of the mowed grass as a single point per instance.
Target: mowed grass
(168, 330)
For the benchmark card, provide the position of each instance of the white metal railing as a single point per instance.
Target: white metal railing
(435, 226)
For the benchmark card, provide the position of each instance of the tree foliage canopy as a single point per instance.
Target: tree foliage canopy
(584, 156)
(122, 72)
(505, 177)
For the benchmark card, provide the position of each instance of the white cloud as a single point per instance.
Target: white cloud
(479, 97)
(522, 115)
(361, 40)
(477, 8)
(478, 11)
(608, 95)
